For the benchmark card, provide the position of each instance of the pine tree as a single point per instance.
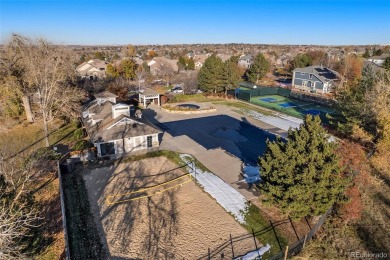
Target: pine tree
(351, 103)
(302, 60)
(366, 54)
(302, 175)
(258, 69)
(191, 64)
(386, 64)
(231, 75)
(210, 77)
(181, 63)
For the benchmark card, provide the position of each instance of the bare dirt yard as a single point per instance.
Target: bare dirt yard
(181, 221)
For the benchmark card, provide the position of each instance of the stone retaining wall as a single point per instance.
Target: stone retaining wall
(189, 112)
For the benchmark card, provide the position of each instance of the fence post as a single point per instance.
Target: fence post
(277, 239)
(209, 258)
(286, 253)
(254, 239)
(296, 234)
(304, 242)
(307, 222)
(231, 242)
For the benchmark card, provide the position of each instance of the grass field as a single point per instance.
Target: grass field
(290, 106)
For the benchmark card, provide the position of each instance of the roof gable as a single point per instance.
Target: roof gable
(123, 120)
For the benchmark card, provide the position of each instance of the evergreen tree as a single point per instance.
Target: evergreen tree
(386, 64)
(210, 77)
(302, 60)
(378, 52)
(258, 69)
(366, 54)
(351, 103)
(181, 64)
(231, 75)
(191, 64)
(302, 175)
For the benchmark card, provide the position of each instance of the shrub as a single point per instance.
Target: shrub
(78, 134)
(82, 145)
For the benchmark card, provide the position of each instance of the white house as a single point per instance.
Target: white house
(245, 61)
(114, 129)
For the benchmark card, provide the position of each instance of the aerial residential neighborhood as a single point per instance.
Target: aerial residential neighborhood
(240, 130)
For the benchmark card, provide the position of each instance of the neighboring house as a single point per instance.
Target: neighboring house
(314, 79)
(161, 65)
(92, 69)
(200, 59)
(245, 61)
(378, 60)
(105, 96)
(223, 57)
(138, 61)
(190, 55)
(114, 128)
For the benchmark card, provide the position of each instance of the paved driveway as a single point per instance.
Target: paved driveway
(223, 141)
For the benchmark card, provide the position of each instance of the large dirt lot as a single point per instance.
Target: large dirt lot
(178, 223)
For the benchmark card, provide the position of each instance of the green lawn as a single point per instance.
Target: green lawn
(263, 230)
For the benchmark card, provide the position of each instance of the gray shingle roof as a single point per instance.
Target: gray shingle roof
(323, 73)
(130, 127)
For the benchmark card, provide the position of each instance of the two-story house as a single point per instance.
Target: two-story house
(245, 61)
(314, 79)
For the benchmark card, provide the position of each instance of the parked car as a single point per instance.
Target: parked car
(177, 90)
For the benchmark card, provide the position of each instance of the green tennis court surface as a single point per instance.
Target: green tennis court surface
(291, 107)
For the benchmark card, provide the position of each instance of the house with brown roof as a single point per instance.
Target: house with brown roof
(162, 65)
(116, 129)
(92, 69)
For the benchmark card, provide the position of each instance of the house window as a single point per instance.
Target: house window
(149, 141)
(310, 76)
(107, 148)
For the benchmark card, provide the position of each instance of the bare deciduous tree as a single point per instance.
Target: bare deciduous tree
(49, 71)
(13, 73)
(17, 216)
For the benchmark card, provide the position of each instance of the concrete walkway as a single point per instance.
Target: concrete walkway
(217, 160)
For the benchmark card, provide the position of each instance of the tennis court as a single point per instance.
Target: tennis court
(291, 107)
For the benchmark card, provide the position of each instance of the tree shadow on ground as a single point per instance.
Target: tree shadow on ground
(237, 137)
(119, 219)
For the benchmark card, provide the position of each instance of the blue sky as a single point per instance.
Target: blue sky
(168, 22)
